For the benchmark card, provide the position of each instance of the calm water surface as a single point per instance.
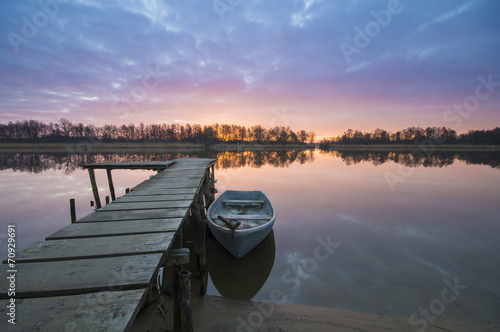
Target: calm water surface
(345, 236)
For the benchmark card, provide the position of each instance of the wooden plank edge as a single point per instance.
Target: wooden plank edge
(50, 237)
(58, 259)
(135, 219)
(81, 291)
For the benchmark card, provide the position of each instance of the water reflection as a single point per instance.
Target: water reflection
(260, 158)
(40, 162)
(397, 247)
(242, 278)
(418, 158)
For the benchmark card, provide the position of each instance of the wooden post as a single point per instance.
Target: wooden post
(201, 255)
(110, 183)
(185, 301)
(107, 200)
(201, 205)
(206, 190)
(175, 293)
(94, 188)
(127, 190)
(212, 182)
(72, 210)
(196, 210)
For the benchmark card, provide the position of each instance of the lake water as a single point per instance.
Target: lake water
(384, 233)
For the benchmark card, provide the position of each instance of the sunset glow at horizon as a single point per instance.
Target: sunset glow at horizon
(323, 66)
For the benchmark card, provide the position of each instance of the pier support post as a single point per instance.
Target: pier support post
(185, 301)
(94, 188)
(175, 292)
(110, 183)
(197, 208)
(201, 255)
(201, 205)
(212, 183)
(206, 190)
(72, 210)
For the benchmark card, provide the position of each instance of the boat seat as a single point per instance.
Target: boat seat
(248, 217)
(242, 202)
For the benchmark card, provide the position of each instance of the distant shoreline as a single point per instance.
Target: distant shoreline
(157, 147)
(87, 147)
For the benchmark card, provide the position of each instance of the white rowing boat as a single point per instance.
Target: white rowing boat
(240, 220)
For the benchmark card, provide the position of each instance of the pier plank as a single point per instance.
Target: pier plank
(118, 206)
(165, 191)
(169, 184)
(74, 277)
(134, 215)
(153, 198)
(96, 247)
(103, 311)
(179, 173)
(131, 165)
(115, 228)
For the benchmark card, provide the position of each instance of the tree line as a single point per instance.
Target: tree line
(65, 130)
(411, 135)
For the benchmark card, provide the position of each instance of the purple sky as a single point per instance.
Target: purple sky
(317, 65)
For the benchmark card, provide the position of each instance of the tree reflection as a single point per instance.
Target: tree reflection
(258, 159)
(418, 158)
(40, 162)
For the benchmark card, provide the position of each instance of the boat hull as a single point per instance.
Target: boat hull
(241, 241)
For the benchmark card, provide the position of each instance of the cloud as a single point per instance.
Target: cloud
(263, 55)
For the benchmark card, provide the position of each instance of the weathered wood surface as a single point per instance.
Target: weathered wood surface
(74, 277)
(103, 311)
(165, 191)
(114, 228)
(191, 162)
(131, 165)
(166, 183)
(118, 206)
(130, 198)
(134, 215)
(179, 173)
(96, 247)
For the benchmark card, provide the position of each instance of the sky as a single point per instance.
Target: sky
(320, 65)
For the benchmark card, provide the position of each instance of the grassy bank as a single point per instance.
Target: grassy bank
(86, 147)
(220, 147)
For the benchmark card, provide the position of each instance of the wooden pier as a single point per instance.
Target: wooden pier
(96, 273)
